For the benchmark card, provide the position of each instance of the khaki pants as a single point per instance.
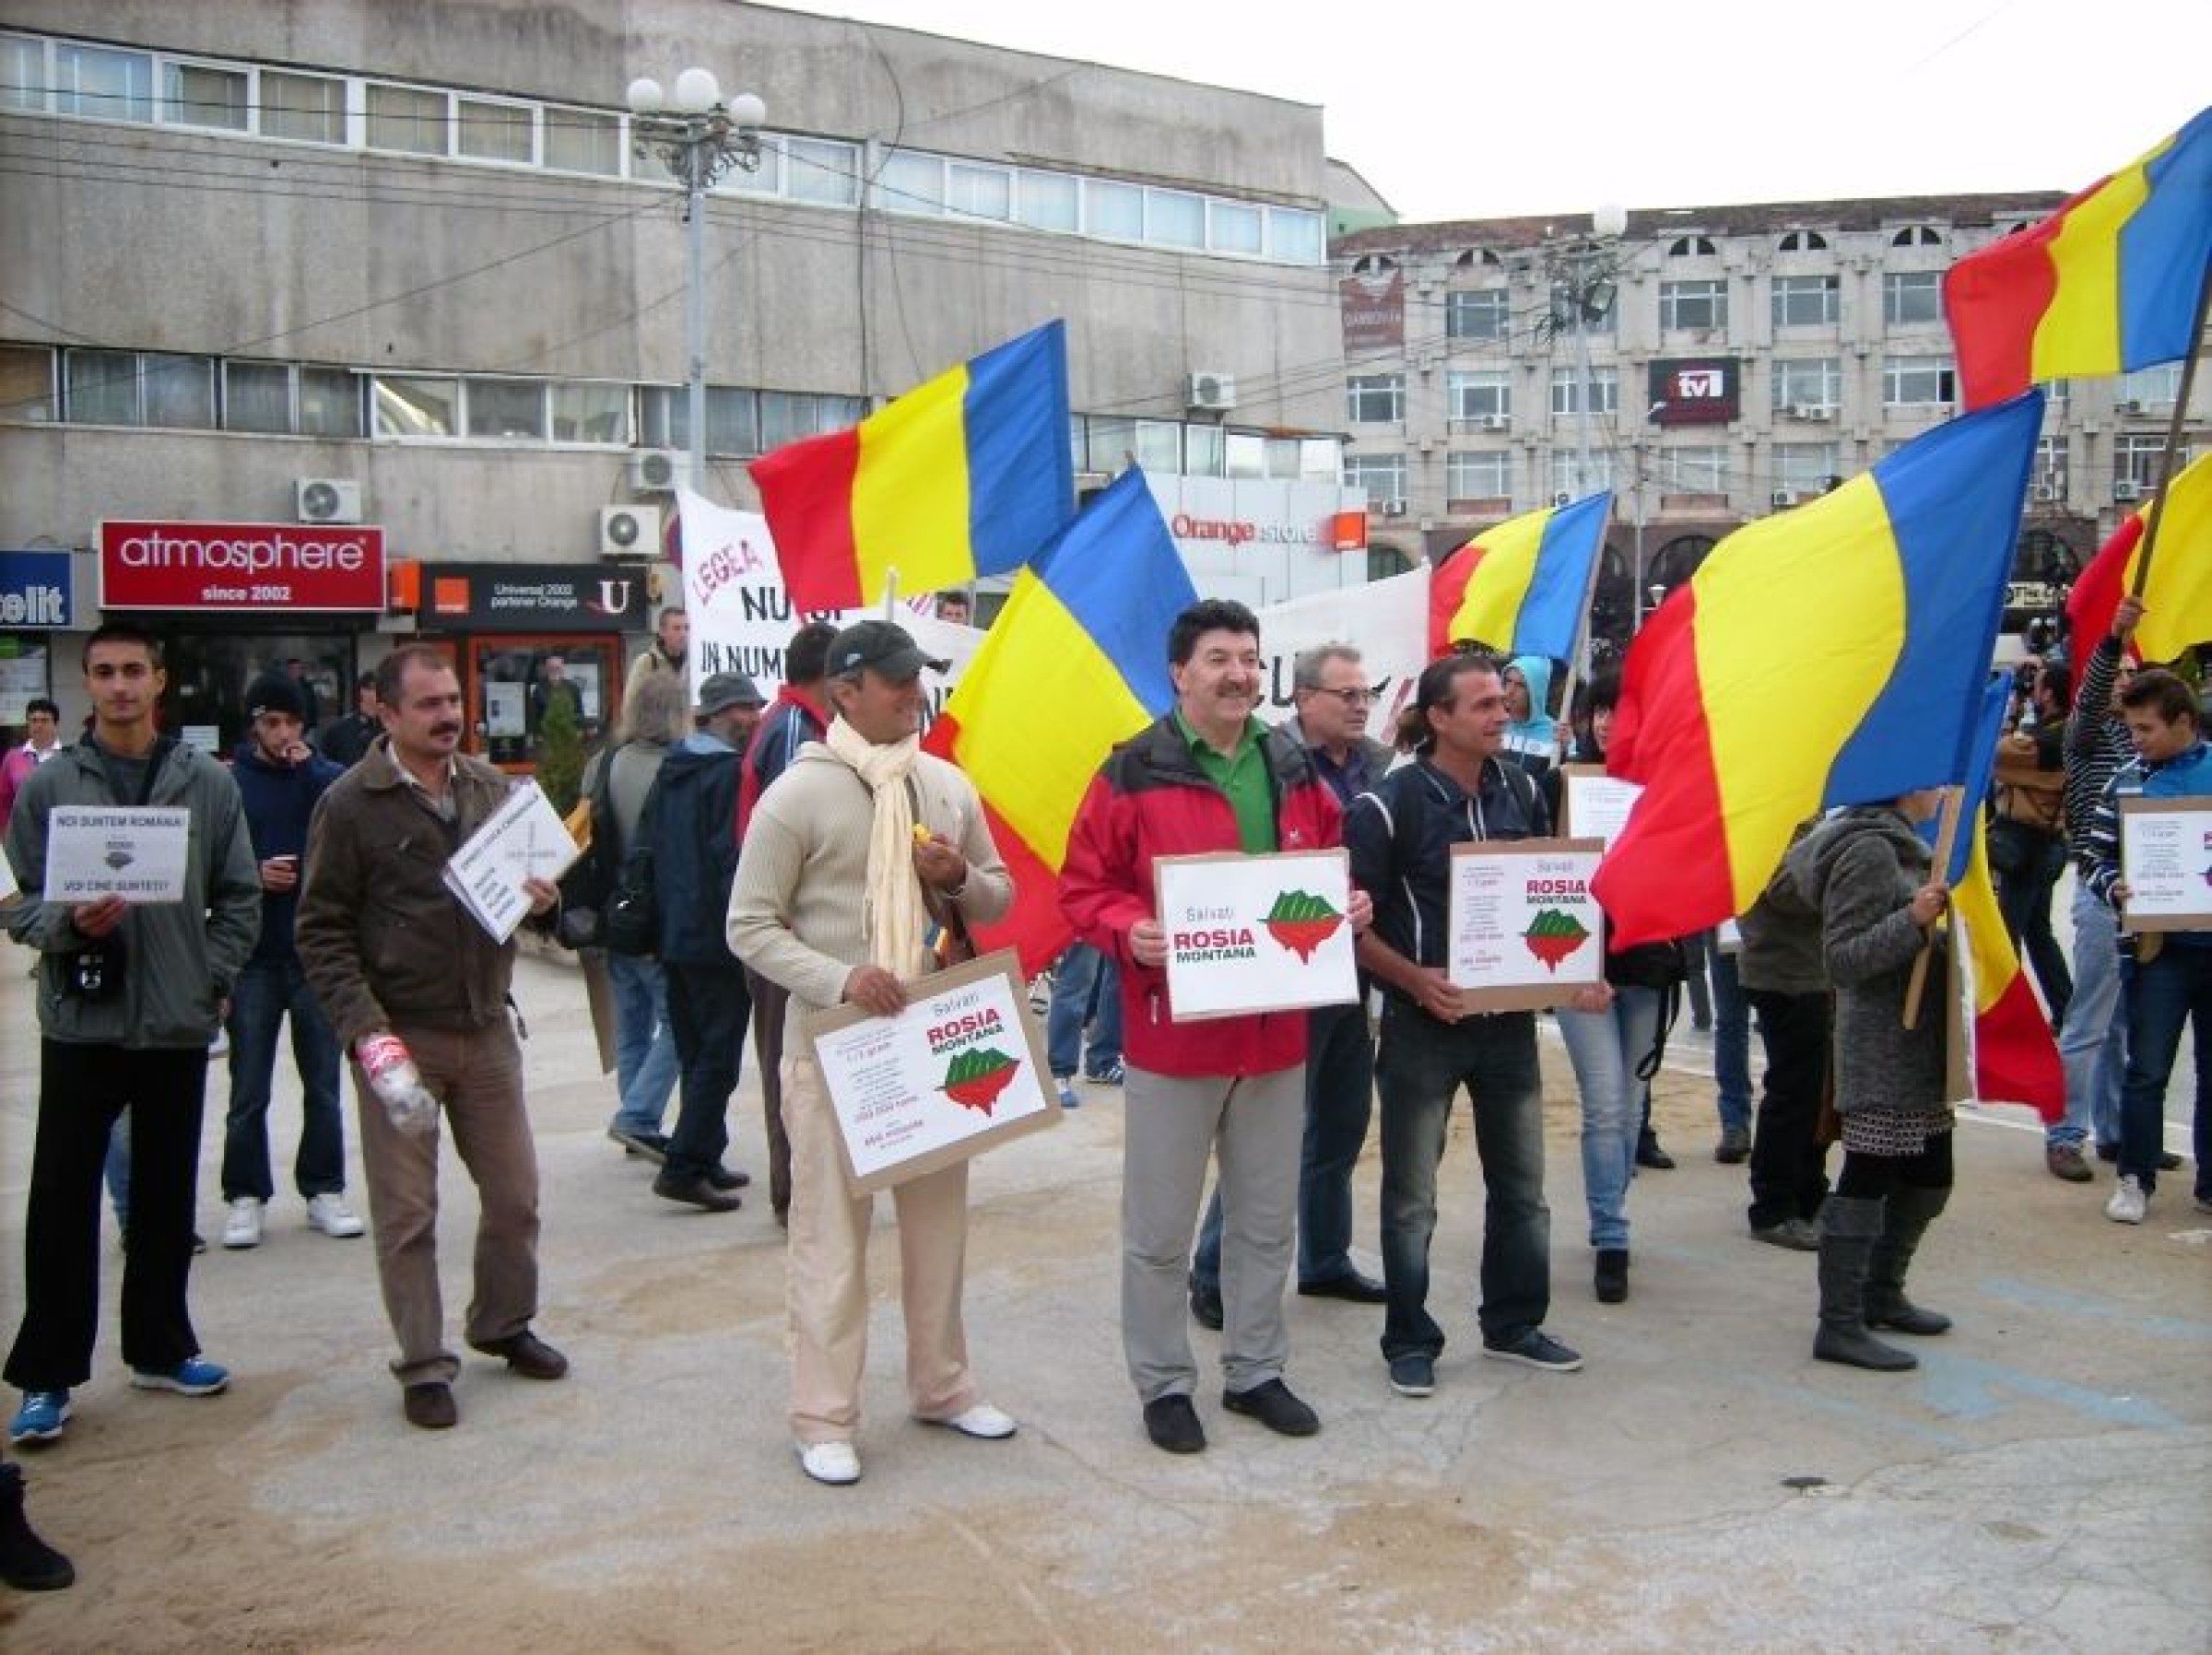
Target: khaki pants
(476, 1075)
(826, 1275)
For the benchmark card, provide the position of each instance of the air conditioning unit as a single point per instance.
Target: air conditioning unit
(326, 499)
(1394, 508)
(655, 470)
(2132, 405)
(1496, 422)
(629, 530)
(2047, 493)
(1211, 391)
(1781, 498)
(2127, 490)
(1562, 499)
(1812, 411)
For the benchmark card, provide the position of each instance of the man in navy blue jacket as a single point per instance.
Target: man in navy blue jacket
(281, 781)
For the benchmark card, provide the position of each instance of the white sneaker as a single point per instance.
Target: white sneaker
(330, 1214)
(832, 1462)
(2128, 1203)
(982, 1421)
(244, 1227)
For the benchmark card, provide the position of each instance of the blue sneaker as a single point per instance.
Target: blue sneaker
(1109, 1076)
(1069, 1098)
(191, 1376)
(41, 1418)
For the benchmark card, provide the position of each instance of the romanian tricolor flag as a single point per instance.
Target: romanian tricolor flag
(968, 475)
(2016, 1060)
(1076, 662)
(1830, 655)
(1523, 587)
(2177, 597)
(2107, 284)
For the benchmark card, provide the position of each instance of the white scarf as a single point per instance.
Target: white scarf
(893, 916)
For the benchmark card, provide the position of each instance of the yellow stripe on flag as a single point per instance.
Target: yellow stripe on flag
(2177, 602)
(1491, 602)
(2083, 321)
(910, 491)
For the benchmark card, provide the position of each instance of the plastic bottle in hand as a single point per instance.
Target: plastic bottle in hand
(397, 1083)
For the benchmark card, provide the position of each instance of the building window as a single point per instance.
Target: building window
(2136, 456)
(2049, 483)
(202, 95)
(597, 414)
(1918, 382)
(2150, 389)
(1909, 297)
(1699, 304)
(1294, 235)
(103, 84)
(1806, 469)
(1693, 470)
(26, 382)
(1802, 241)
(974, 191)
(150, 388)
(1175, 219)
(1382, 476)
(496, 132)
(1484, 476)
(1574, 475)
(1477, 258)
(506, 410)
(1691, 247)
(1478, 396)
(1809, 382)
(22, 74)
(827, 172)
(577, 140)
(1376, 399)
(1567, 391)
(283, 399)
(1806, 301)
(1374, 263)
(665, 419)
(417, 406)
(1487, 315)
(308, 109)
(911, 182)
(1916, 235)
(411, 120)
(1231, 227)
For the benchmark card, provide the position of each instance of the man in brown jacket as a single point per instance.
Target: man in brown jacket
(391, 953)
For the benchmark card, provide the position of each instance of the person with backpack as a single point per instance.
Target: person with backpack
(1459, 789)
(690, 830)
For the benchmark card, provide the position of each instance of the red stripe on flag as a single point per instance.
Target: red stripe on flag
(806, 496)
(1994, 299)
(2097, 593)
(1447, 587)
(1668, 872)
(2014, 1060)
(1034, 926)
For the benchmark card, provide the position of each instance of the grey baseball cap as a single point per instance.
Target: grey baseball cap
(729, 689)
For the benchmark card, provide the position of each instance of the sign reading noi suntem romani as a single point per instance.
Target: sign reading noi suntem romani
(242, 566)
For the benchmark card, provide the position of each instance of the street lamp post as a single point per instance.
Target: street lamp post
(699, 139)
(1585, 277)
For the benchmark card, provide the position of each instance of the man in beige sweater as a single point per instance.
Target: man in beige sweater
(829, 901)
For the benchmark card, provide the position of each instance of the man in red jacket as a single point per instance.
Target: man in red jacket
(1208, 777)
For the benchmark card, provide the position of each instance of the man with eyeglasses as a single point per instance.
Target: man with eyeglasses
(1329, 687)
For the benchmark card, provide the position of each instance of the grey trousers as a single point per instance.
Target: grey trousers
(1254, 1126)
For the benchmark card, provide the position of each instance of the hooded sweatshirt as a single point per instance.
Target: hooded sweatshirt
(1535, 741)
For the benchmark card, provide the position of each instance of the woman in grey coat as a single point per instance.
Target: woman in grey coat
(1870, 875)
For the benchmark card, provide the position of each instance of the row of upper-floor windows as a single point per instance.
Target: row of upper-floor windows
(44, 75)
(175, 391)
(1910, 298)
(1802, 384)
(1800, 469)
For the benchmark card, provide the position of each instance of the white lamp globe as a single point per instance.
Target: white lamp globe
(1610, 219)
(747, 113)
(645, 96)
(696, 91)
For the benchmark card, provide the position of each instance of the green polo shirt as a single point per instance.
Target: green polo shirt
(1242, 778)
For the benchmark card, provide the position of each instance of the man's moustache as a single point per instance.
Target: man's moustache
(445, 729)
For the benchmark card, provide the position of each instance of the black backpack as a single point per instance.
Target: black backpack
(632, 917)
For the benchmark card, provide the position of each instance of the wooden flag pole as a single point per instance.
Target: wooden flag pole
(2170, 462)
(1946, 835)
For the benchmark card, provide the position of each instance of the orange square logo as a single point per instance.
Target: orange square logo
(449, 594)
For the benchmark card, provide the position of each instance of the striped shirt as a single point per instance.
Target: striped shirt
(2097, 747)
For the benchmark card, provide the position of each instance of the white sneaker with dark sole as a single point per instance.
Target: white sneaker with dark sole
(2129, 1204)
(834, 1463)
(330, 1214)
(243, 1229)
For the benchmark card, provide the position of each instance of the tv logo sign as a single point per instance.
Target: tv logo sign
(38, 590)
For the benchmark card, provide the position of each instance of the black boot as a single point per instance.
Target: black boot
(1849, 1227)
(27, 1562)
(1911, 1212)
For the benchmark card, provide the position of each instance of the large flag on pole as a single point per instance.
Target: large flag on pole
(1076, 662)
(2177, 598)
(2015, 1058)
(1522, 587)
(2109, 283)
(966, 475)
(1830, 655)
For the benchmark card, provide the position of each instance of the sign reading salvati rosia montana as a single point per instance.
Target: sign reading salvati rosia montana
(239, 566)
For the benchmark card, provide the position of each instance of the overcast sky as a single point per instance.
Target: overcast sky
(1483, 109)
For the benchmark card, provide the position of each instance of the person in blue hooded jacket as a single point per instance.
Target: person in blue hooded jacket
(1533, 735)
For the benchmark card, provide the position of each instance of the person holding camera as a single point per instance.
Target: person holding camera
(130, 995)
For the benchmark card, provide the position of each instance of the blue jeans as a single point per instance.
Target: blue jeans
(1086, 992)
(2176, 987)
(1730, 1044)
(2092, 1042)
(2024, 903)
(645, 1064)
(1606, 1048)
(1419, 1069)
(266, 992)
(1340, 1085)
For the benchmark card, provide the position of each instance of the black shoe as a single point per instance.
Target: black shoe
(728, 1177)
(2168, 1162)
(695, 1193)
(1735, 1147)
(2108, 1151)
(1274, 1406)
(1352, 1285)
(429, 1405)
(1172, 1423)
(1612, 1278)
(650, 1146)
(1206, 1306)
(27, 1562)
(527, 1355)
(1649, 1154)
